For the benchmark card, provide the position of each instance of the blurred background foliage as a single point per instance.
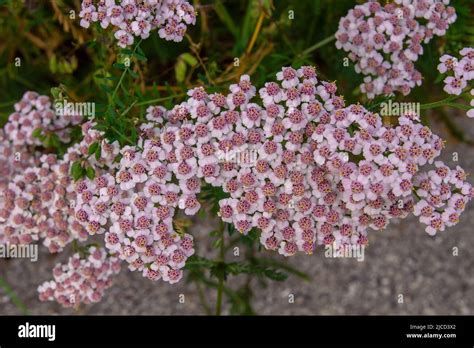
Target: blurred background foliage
(231, 37)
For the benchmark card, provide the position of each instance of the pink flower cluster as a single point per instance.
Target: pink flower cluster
(38, 205)
(297, 164)
(136, 205)
(385, 41)
(81, 280)
(443, 195)
(463, 72)
(14, 159)
(137, 18)
(18, 146)
(39, 202)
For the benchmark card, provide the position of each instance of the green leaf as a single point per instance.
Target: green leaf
(93, 148)
(140, 51)
(48, 141)
(283, 266)
(76, 170)
(98, 152)
(217, 243)
(226, 18)
(275, 275)
(37, 132)
(126, 51)
(120, 66)
(53, 64)
(230, 229)
(180, 70)
(196, 262)
(55, 142)
(90, 173)
(140, 56)
(57, 93)
(189, 59)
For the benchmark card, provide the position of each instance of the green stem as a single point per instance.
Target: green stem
(202, 299)
(219, 296)
(146, 102)
(318, 45)
(128, 109)
(13, 296)
(124, 72)
(123, 136)
(443, 102)
(416, 194)
(459, 106)
(220, 287)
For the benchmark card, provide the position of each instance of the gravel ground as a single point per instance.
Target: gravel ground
(402, 260)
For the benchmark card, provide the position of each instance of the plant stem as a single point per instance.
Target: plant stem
(219, 296)
(128, 109)
(204, 304)
(318, 45)
(459, 106)
(122, 135)
(195, 48)
(220, 287)
(146, 102)
(255, 33)
(437, 104)
(443, 102)
(124, 72)
(413, 190)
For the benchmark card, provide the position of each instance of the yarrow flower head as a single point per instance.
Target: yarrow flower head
(137, 18)
(385, 41)
(38, 203)
(460, 71)
(81, 279)
(296, 163)
(443, 195)
(19, 147)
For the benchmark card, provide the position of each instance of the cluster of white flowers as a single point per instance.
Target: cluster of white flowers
(313, 171)
(18, 146)
(38, 201)
(37, 205)
(385, 41)
(295, 162)
(137, 18)
(136, 206)
(81, 280)
(462, 70)
(443, 195)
